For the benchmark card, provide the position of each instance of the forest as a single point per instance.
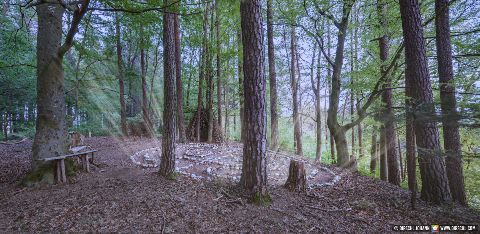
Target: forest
(277, 116)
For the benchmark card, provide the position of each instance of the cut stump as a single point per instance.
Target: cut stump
(297, 179)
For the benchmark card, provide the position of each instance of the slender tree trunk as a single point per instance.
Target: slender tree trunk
(209, 74)
(373, 151)
(388, 116)
(434, 180)
(254, 170)
(451, 135)
(273, 79)
(167, 164)
(240, 84)
(123, 113)
(179, 83)
(318, 106)
(383, 155)
(400, 157)
(146, 116)
(410, 144)
(219, 75)
(294, 86)
(337, 130)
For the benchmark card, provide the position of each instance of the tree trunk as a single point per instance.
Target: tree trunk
(373, 151)
(335, 128)
(240, 84)
(167, 164)
(294, 85)
(273, 79)
(219, 75)
(297, 179)
(451, 135)
(209, 74)
(318, 106)
(434, 180)
(202, 70)
(51, 130)
(388, 118)
(145, 114)
(383, 155)
(179, 83)
(254, 170)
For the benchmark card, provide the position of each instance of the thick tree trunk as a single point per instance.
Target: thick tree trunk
(254, 170)
(383, 155)
(202, 70)
(297, 179)
(167, 164)
(434, 180)
(51, 130)
(388, 118)
(451, 135)
(273, 79)
(373, 151)
(294, 85)
(179, 84)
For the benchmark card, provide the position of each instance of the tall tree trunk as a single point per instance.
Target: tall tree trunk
(388, 117)
(240, 84)
(434, 180)
(373, 151)
(202, 70)
(273, 79)
(294, 85)
(143, 69)
(179, 84)
(383, 155)
(451, 135)
(219, 75)
(167, 164)
(254, 170)
(209, 74)
(329, 79)
(338, 131)
(410, 144)
(51, 131)
(318, 107)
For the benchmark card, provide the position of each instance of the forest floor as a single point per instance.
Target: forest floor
(123, 193)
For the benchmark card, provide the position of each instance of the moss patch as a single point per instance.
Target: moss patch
(262, 200)
(40, 175)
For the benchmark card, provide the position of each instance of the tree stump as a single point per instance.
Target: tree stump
(297, 179)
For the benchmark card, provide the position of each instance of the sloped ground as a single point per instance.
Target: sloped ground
(119, 196)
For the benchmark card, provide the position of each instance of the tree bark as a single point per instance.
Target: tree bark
(209, 74)
(121, 78)
(202, 70)
(254, 170)
(451, 135)
(294, 85)
(240, 84)
(179, 84)
(383, 155)
(297, 179)
(318, 106)
(219, 75)
(373, 151)
(143, 68)
(410, 144)
(273, 79)
(435, 187)
(338, 131)
(388, 118)
(167, 164)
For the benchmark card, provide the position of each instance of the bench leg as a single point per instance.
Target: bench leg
(86, 165)
(58, 171)
(91, 159)
(62, 170)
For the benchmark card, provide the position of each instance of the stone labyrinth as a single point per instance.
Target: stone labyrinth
(210, 161)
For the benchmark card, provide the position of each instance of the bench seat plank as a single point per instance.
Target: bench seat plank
(68, 155)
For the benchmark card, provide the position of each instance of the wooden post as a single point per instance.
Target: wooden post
(297, 180)
(86, 165)
(62, 169)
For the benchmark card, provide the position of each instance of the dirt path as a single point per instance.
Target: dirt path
(120, 196)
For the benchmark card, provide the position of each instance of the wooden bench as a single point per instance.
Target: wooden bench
(60, 163)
